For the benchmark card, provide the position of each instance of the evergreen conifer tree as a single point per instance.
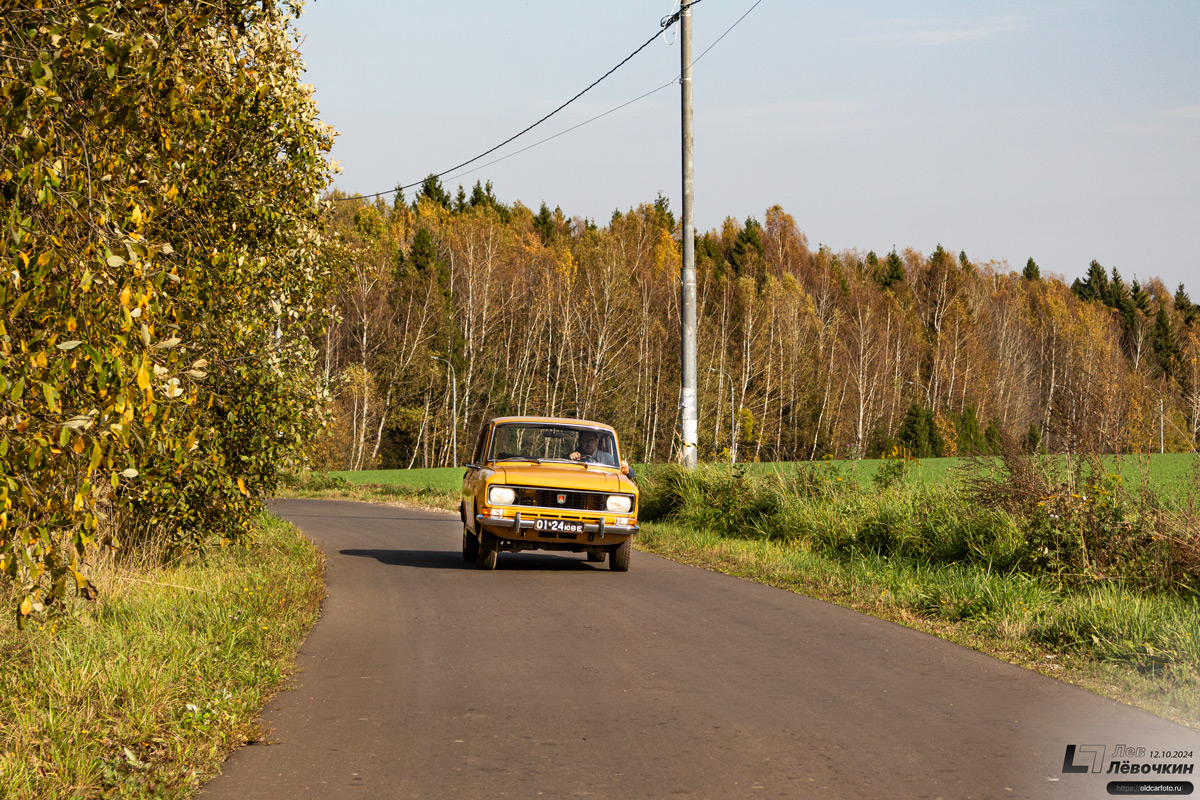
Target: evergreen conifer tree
(1141, 300)
(1188, 311)
(543, 222)
(872, 266)
(891, 271)
(1120, 299)
(992, 437)
(970, 437)
(1163, 343)
(1031, 442)
(879, 444)
(432, 188)
(423, 256)
(1095, 286)
(484, 195)
(918, 432)
(478, 197)
(709, 249)
(747, 247)
(662, 209)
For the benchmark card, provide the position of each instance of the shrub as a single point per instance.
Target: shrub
(159, 178)
(824, 478)
(1066, 521)
(660, 491)
(897, 468)
(1083, 524)
(321, 481)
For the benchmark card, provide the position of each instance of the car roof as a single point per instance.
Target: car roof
(553, 420)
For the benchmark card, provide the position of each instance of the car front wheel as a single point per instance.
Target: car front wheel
(595, 558)
(620, 556)
(487, 548)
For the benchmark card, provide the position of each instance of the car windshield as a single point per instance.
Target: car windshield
(546, 441)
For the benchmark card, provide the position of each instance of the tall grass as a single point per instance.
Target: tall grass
(1074, 528)
(144, 693)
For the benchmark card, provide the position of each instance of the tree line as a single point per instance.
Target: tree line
(803, 353)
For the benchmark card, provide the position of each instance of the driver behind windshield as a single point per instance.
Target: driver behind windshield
(585, 450)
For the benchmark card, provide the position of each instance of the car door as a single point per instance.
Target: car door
(474, 477)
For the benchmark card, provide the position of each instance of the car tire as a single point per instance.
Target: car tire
(487, 549)
(596, 558)
(470, 546)
(620, 556)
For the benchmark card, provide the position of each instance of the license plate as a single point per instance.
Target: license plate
(557, 526)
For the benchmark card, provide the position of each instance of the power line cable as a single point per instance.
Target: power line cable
(671, 82)
(664, 24)
(560, 133)
(723, 35)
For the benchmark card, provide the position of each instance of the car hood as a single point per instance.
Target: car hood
(566, 476)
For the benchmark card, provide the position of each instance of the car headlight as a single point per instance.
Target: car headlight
(619, 503)
(501, 496)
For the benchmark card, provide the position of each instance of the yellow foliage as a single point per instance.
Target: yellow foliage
(78, 186)
(949, 433)
(565, 265)
(667, 256)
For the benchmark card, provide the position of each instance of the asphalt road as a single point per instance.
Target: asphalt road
(552, 677)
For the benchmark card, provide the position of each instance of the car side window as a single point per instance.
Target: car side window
(483, 435)
(607, 445)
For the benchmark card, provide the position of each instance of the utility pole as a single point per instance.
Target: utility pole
(687, 289)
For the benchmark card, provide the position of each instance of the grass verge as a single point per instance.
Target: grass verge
(145, 692)
(438, 489)
(1083, 638)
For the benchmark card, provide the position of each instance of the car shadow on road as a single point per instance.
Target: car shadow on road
(452, 559)
(379, 517)
(425, 559)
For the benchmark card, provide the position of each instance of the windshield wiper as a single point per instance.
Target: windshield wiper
(534, 459)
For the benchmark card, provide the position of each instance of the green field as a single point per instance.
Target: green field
(1171, 475)
(444, 478)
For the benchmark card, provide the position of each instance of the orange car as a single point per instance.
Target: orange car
(542, 483)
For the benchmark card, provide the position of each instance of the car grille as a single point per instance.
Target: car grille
(548, 498)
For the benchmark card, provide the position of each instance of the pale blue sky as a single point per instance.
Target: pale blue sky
(1066, 131)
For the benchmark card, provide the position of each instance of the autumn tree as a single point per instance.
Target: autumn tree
(804, 353)
(158, 182)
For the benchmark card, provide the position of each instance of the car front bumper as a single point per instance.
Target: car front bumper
(520, 527)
